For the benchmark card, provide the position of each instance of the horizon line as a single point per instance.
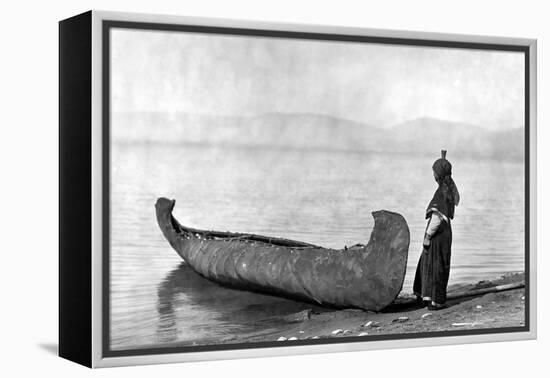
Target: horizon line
(264, 114)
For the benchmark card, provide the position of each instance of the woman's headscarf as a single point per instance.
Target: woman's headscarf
(443, 169)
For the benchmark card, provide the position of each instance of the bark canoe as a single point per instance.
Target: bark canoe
(363, 276)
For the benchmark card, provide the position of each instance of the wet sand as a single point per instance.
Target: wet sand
(493, 310)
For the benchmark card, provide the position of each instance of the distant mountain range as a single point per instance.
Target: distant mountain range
(313, 131)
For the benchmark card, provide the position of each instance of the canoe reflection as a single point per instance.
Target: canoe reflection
(223, 312)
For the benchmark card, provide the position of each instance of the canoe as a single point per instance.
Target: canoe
(363, 276)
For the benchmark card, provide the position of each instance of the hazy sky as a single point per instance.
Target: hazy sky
(381, 85)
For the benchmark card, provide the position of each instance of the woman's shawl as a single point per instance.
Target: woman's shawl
(440, 206)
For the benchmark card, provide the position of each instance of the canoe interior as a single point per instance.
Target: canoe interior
(221, 235)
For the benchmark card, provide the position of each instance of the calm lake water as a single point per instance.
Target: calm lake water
(320, 197)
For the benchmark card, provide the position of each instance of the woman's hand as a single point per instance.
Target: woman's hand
(426, 242)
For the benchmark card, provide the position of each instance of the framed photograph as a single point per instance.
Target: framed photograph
(232, 189)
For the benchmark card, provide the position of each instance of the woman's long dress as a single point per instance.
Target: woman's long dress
(432, 271)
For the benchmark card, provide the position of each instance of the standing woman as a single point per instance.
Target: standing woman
(432, 272)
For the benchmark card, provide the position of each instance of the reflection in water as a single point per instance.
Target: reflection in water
(234, 311)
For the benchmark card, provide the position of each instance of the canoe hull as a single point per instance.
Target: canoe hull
(368, 277)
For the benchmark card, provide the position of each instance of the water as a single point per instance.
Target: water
(320, 197)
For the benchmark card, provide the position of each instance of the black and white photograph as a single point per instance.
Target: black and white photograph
(291, 190)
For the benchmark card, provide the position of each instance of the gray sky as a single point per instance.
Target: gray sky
(381, 85)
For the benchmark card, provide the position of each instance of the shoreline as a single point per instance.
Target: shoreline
(482, 311)
(470, 311)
